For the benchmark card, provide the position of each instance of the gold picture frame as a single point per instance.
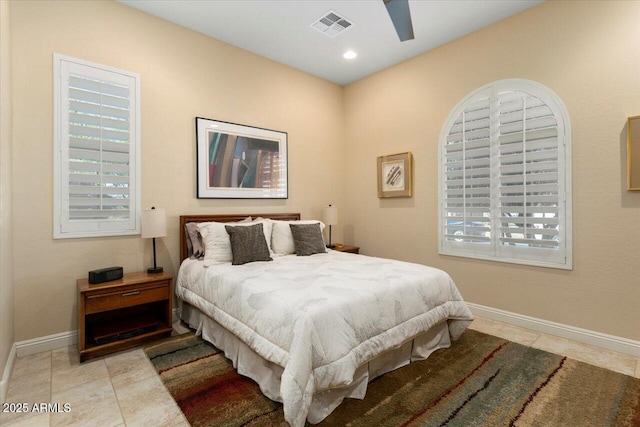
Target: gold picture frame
(395, 175)
(633, 153)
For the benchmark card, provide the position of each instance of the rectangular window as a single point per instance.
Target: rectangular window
(96, 149)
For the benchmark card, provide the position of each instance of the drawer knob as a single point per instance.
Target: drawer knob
(128, 294)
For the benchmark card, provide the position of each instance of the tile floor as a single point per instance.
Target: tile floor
(123, 389)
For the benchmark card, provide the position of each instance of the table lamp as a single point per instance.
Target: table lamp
(154, 224)
(330, 217)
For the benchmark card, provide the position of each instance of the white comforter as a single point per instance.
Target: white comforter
(322, 316)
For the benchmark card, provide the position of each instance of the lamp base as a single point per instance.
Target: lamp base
(154, 270)
(330, 246)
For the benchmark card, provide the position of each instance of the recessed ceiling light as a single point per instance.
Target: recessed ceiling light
(349, 54)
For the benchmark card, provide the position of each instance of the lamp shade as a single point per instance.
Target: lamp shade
(330, 215)
(154, 223)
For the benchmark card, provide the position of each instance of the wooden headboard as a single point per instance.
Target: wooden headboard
(184, 219)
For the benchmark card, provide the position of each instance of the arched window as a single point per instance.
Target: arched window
(505, 176)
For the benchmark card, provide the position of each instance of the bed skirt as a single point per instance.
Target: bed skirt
(268, 374)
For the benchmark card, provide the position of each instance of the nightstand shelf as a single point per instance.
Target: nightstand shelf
(124, 313)
(346, 248)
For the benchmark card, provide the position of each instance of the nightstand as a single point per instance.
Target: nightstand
(124, 313)
(346, 248)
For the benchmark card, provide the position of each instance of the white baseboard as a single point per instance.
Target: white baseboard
(6, 375)
(50, 342)
(585, 336)
(55, 341)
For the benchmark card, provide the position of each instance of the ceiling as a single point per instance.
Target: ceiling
(281, 29)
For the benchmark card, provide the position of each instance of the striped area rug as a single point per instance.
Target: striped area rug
(481, 380)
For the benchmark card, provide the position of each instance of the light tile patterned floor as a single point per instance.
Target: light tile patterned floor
(123, 389)
(117, 390)
(618, 362)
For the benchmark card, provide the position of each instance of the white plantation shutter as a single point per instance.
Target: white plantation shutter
(467, 178)
(505, 174)
(529, 191)
(96, 150)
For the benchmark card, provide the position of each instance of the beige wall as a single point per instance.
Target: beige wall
(6, 250)
(184, 74)
(584, 51)
(587, 52)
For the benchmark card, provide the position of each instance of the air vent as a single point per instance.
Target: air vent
(331, 24)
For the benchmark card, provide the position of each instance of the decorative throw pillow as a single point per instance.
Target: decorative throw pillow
(248, 244)
(307, 239)
(217, 247)
(281, 238)
(195, 247)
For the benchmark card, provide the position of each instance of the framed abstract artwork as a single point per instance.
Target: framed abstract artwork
(240, 162)
(395, 175)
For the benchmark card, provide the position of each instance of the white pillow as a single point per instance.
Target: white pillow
(267, 228)
(217, 245)
(281, 237)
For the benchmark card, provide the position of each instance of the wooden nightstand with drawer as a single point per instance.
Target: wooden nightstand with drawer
(124, 313)
(346, 248)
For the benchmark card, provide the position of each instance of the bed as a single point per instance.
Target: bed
(314, 330)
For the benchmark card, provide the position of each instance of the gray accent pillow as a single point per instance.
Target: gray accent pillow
(307, 239)
(248, 244)
(195, 246)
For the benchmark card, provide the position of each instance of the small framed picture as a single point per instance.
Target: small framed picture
(633, 153)
(395, 175)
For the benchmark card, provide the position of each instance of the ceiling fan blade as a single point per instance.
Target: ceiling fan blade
(400, 15)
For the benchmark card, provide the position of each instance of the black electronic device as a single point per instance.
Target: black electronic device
(105, 275)
(120, 329)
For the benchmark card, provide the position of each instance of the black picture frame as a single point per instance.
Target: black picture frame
(237, 161)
